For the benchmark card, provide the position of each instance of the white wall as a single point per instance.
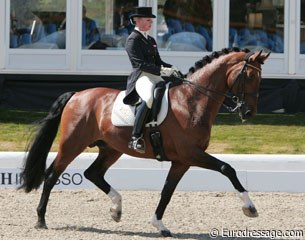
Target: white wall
(270, 173)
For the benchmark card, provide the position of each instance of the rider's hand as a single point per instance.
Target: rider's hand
(177, 73)
(166, 72)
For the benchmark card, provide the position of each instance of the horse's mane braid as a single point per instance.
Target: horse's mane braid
(209, 58)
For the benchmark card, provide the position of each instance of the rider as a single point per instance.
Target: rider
(147, 71)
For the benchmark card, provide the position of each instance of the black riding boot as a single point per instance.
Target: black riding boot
(137, 142)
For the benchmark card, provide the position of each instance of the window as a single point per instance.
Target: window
(38, 24)
(185, 25)
(302, 28)
(106, 24)
(257, 23)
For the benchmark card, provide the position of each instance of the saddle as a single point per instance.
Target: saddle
(124, 115)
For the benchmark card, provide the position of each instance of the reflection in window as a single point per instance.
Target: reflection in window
(106, 24)
(37, 24)
(256, 24)
(185, 25)
(302, 35)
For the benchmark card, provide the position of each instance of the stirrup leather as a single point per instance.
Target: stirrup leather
(137, 144)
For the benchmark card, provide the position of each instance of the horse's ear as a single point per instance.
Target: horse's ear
(263, 57)
(259, 57)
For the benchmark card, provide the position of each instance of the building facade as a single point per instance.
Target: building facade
(83, 40)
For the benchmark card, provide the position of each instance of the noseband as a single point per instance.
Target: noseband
(238, 98)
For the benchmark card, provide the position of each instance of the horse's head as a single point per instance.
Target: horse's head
(244, 79)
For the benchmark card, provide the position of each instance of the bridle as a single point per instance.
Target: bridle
(238, 98)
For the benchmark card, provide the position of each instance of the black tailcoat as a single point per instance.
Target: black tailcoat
(144, 57)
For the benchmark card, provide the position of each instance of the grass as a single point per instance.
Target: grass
(263, 134)
(16, 127)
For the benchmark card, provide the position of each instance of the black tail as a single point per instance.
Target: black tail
(33, 171)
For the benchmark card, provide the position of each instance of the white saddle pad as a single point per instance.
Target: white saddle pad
(124, 115)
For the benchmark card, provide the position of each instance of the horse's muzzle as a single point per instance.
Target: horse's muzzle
(245, 113)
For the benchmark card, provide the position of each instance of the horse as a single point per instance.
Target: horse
(84, 119)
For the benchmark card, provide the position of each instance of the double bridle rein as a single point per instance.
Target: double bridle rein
(238, 98)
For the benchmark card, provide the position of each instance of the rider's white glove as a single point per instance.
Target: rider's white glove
(166, 72)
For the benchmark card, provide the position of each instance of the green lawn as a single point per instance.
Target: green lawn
(16, 127)
(263, 134)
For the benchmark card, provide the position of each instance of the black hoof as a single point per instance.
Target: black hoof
(166, 233)
(41, 225)
(250, 211)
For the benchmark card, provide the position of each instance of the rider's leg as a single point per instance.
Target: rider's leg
(137, 142)
(145, 86)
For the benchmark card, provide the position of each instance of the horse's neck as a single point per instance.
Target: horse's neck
(202, 101)
(212, 76)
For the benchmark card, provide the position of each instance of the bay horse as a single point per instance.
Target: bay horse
(85, 120)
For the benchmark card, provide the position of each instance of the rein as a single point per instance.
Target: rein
(238, 100)
(199, 88)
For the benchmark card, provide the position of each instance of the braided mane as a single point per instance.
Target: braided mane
(209, 58)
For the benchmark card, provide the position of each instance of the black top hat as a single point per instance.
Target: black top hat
(145, 12)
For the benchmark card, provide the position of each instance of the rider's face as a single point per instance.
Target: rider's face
(144, 24)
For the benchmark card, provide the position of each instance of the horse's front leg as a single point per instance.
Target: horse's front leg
(176, 172)
(248, 207)
(96, 172)
(212, 163)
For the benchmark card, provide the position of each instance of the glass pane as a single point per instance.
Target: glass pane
(302, 35)
(257, 24)
(106, 24)
(38, 24)
(185, 25)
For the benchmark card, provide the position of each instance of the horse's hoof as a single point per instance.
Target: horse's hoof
(116, 215)
(166, 233)
(250, 211)
(41, 225)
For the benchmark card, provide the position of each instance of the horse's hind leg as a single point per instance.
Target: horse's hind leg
(51, 177)
(96, 172)
(64, 157)
(215, 164)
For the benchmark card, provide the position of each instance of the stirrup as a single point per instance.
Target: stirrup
(137, 144)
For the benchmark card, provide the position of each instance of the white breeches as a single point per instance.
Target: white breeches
(145, 86)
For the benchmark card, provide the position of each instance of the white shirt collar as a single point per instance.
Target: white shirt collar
(145, 34)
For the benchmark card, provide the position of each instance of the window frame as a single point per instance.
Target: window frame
(41, 59)
(300, 58)
(2, 34)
